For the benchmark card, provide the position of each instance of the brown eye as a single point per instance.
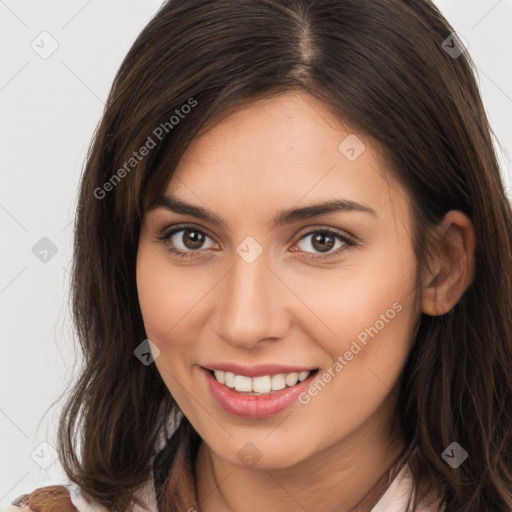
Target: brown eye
(185, 241)
(188, 241)
(192, 239)
(323, 241)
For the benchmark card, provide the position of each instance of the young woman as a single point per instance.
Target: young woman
(292, 264)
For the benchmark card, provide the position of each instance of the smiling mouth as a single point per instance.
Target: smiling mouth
(263, 385)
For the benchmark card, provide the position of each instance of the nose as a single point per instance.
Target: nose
(251, 304)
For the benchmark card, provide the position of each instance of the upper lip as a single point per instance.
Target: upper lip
(258, 370)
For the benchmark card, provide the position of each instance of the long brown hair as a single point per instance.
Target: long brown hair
(382, 67)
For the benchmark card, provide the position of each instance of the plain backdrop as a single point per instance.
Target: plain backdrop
(50, 106)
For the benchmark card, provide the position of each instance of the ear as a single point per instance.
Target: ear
(453, 269)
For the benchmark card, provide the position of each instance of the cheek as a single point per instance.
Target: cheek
(368, 313)
(368, 342)
(167, 307)
(165, 296)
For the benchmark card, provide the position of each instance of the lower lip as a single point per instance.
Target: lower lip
(255, 406)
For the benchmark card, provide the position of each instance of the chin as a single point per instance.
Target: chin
(249, 454)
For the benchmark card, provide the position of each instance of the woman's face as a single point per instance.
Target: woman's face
(331, 291)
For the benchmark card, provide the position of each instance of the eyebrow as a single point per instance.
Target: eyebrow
(283, 217)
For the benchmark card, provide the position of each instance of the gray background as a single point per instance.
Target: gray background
(49, 109)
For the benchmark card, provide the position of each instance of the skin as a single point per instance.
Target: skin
(277, 154)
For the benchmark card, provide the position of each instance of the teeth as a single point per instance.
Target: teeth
(303, 375)
(243, 383)
(229, 379)
(259, 385)
(278, 381)
(291, 379)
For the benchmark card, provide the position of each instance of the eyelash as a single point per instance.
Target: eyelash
(348, 243)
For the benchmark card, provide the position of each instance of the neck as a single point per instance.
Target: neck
(335, 479)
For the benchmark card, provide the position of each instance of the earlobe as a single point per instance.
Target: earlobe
(454, 267)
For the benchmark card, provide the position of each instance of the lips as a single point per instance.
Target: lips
(260, 405)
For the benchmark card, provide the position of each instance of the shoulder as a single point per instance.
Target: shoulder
(52, 498)
(70, 498)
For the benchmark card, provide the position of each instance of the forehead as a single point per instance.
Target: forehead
(279, 152)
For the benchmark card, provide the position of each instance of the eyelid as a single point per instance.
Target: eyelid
(348, 239)
(321, 227)
(348, 242)
(170, 230)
